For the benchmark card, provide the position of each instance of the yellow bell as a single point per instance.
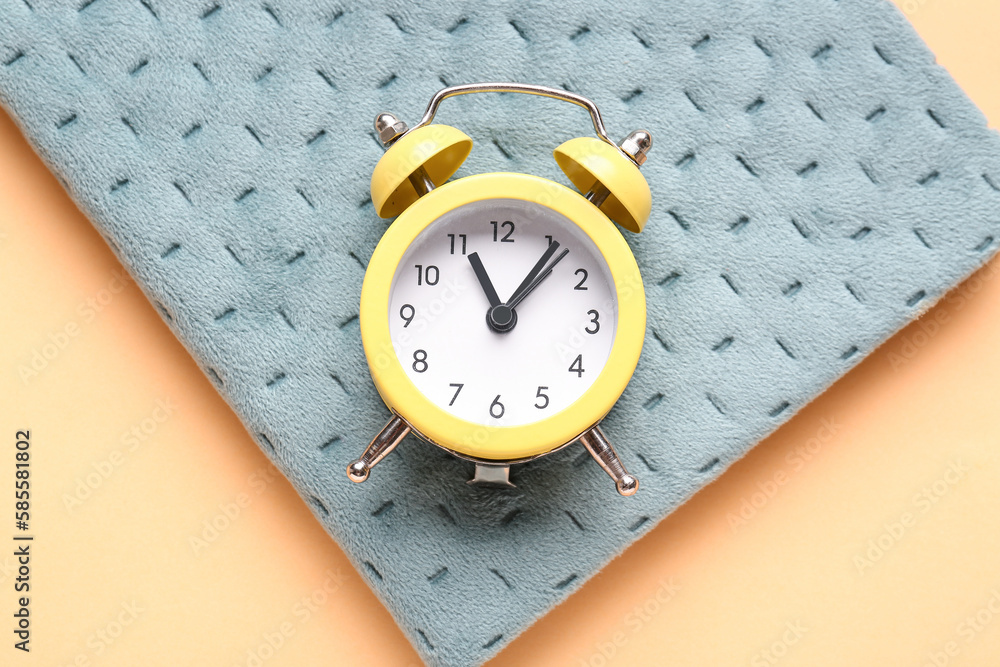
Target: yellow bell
(433, 151)
(594, 165)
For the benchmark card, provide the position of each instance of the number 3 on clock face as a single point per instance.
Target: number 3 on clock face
(438, 313)
(505, 326)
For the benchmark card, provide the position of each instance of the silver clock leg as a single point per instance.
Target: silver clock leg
(384, 442)
(489, 475)
(597, 444)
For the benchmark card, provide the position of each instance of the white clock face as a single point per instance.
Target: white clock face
(462, 344)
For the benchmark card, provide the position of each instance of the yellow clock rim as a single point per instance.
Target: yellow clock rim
(501, 443)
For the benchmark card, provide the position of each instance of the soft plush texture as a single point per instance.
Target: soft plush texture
(817, 182)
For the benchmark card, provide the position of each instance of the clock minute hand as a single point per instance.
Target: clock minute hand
(484, 280)
(519, 296)
(534, 272)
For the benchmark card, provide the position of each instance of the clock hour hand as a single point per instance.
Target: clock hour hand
(484, 280)
(501, 317)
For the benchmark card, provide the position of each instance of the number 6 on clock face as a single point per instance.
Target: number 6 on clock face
(440, 313)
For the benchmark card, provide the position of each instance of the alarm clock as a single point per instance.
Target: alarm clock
(503, 314)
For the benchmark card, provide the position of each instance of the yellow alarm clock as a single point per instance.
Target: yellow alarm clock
(503, 314)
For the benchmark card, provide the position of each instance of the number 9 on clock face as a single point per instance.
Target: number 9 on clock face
(502, 312)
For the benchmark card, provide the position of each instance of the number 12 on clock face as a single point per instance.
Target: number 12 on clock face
(502, 312)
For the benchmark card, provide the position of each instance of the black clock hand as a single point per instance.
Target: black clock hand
(501, 317)
(484, 280)
(519, 297)
(533, 273)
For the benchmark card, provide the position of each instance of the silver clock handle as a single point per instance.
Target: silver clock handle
(526, 88)
(390, 128)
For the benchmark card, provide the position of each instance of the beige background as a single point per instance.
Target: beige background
(865, 532)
